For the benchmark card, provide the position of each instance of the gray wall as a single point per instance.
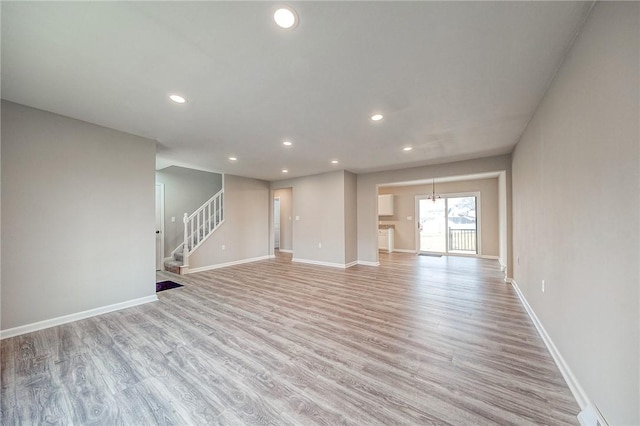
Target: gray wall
(405, 205)
(78, 216)
(245, 231)
(576, 192)
(319, 202)
(368, 195)
(184, 191)
(286, 217)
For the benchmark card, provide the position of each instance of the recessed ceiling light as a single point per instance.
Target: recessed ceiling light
(407, 148)
(376, 117)
(287, 143)
(233, 159)
(285, 171)
(334, 161)
(177, 99)
(285, 18)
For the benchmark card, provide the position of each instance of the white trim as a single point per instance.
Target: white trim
(40, 325)
(487, 256)
(404, 250)
(224, 265)
(285, 251)
(578, 392)
(272, 256)
(350, 264)
(368, 263)
(321, 263)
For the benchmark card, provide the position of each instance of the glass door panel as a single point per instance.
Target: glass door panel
(432, 225)
(462, 225)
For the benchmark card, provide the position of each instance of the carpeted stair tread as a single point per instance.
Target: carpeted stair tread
(172, 266)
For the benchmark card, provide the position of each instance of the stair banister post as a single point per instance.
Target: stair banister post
(185, 246)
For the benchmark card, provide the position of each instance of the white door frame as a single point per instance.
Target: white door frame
(444, 196)
(160, 186)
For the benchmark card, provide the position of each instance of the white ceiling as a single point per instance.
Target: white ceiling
(454, 80)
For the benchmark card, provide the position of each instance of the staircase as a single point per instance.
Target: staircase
(197, 228)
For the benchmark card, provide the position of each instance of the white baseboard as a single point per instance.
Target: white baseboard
(350, 264)
(487, 256)
(368, 263)
(578, 392)
(285, 251)
(321, 263)
(40, 325)
(224, 265)
(404, 251)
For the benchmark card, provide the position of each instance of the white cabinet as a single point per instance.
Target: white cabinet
(385, 205)
(385, 239)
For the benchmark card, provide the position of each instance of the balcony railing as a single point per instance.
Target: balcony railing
(463, 240)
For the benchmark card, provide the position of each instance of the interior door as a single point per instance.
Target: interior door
(159, 226)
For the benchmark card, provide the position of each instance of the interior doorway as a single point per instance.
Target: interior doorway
(448, 225)
(159, 226)
(276, 223)
(283, 220)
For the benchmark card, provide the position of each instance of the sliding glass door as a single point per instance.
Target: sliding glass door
(448, 225)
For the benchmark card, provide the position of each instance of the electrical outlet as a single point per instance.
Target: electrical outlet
(223, 247)
(409, 217)
(518, 260)
(173, 218)
(319, 245)
(543, 286)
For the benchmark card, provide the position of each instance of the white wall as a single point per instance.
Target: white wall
(245, 231)
(368, 194)
(78, 216)
(576, 186)
(405, 205)
(185, 190)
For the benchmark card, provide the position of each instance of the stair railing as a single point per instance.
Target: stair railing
(201, 223)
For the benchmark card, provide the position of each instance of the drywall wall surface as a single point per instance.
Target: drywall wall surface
(245, 231)
(405, 207)
(318, 217)
(350, 217)
(368, 194)
(286, 217)
(576, 186)
(185, 190)
(78, 216)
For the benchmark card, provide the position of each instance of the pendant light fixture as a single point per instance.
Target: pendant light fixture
(433, 197)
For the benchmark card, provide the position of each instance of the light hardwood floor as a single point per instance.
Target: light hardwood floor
(418, 340)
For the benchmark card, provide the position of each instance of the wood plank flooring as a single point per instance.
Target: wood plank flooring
(418, 340)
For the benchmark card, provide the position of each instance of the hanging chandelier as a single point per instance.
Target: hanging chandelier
(433, 197)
